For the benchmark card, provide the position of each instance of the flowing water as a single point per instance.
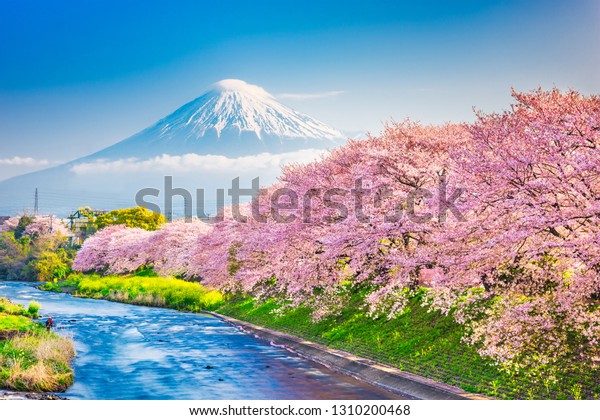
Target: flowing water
(135, 352)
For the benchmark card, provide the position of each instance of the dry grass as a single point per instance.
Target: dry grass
(142, 298)
(118, 296)
(37, 362)
(31, 358)
(38, 377)
(149, 300)
(46, 347)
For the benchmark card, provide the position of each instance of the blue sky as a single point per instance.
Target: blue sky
(78, 76)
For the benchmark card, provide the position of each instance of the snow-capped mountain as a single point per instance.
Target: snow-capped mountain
(235, 104)
(232, 118)
(233, 129)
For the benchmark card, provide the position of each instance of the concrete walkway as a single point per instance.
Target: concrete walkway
(389, 378)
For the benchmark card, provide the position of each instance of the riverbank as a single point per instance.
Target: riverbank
(31, 358)
(144, 288)
(17, 395)
(392, 379)
(419, 341)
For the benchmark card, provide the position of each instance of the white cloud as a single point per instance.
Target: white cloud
(25, 161)
(193, 163)
(309, 96)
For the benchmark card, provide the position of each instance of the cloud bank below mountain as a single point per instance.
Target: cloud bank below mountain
(192, 162)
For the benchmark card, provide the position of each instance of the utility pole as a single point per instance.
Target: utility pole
(36, 205)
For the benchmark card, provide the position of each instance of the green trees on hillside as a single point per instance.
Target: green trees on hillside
(35, 248)
(139, 217)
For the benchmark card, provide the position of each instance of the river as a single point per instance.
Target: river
(135, 352)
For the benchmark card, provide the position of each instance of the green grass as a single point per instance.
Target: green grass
(67, 285)
(14, 322)
(418, 341)
(7, 307)
(31, 358)
(143, 289)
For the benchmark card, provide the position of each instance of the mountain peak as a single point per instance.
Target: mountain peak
(237, 85)
(234, 108)
(231, 118)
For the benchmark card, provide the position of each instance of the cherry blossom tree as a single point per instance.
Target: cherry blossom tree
(351, 215)
(47, 225)
(121, 249)
(114, 249)
(214, 258)
(10, 224)
(169, 247)
(532, 236)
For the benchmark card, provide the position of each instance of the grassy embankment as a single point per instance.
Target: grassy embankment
(419, 341)
(31, 358)
(144, 288)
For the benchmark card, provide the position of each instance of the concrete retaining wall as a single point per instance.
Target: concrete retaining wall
(386, 377)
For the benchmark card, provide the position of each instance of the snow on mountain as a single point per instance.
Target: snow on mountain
(232, 118)
(236, 104)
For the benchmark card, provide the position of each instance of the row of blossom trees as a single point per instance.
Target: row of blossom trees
(499, 218)
(119, 249)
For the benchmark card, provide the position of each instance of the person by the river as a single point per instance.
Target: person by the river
(49, 323)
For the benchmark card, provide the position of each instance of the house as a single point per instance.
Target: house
(81, 223)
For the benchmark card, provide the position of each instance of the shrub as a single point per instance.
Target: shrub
(33, 309)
